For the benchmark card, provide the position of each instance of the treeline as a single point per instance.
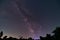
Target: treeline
(12, 38)
(56, 36)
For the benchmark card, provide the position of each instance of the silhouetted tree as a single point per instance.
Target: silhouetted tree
(30, 38)
(57, 33)
(5, 38)
(56, 36)
(48, 37)
(1, 34)
(20, 38)
(42, 38)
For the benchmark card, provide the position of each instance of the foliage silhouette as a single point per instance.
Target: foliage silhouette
(56, 36)
(57, 33)
(5, 37)
(48, 37)
(30, 38)
(1, 34)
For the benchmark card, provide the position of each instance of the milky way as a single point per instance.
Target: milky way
(29, 18)
(17, 16)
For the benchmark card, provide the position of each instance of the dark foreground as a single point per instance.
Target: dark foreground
(56, 36)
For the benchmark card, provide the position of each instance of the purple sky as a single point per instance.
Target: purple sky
(29, 18)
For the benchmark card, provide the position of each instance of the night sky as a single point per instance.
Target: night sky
(29, 18)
